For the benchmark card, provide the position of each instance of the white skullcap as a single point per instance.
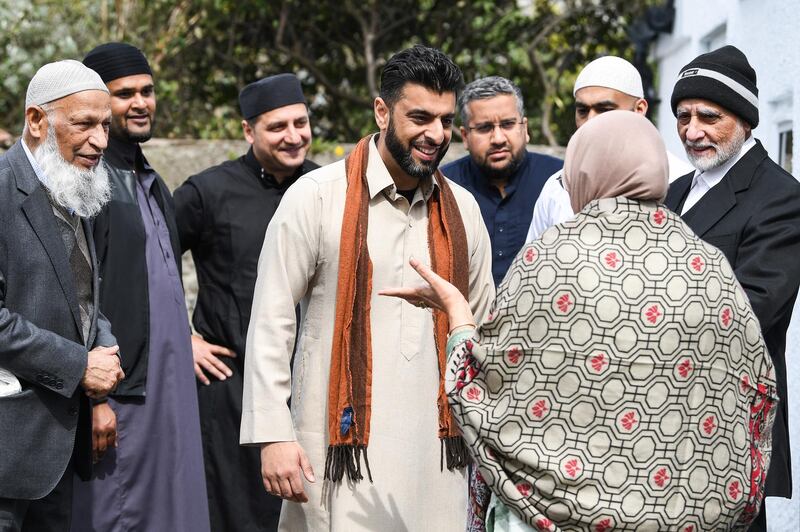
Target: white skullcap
(62, 78)
(612, 73)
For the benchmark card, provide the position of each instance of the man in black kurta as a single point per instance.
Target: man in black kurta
(223, 213)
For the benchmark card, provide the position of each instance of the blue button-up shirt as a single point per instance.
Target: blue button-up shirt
(507, 218)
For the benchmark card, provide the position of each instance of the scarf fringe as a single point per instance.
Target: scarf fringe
(343, 459)
(455, 449)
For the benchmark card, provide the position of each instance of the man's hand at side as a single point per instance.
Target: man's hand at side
(281, 466)
(103, 372)
(104, 430)
(206, 357)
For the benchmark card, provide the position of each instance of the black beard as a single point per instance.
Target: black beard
(502, 174)
(125, 135)
(402, 155)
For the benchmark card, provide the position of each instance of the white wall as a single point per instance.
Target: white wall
(767, 32)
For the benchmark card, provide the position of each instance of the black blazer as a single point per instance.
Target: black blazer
(753, 217)
(41, 339)
(120, 239)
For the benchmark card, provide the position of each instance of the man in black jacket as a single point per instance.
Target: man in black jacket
(150, 475)
(743, 203)
(223, 213)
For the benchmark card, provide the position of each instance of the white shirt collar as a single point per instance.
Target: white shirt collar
(35, 165)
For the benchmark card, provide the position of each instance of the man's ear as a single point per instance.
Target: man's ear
(527, 133)
(464, 134)
(37, 122)
(382, 112)
(641, 106)
(248, 132)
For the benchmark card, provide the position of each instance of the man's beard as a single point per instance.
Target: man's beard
(402, 155)
(79, 190)
(502, 174)
(723, 151)
(119, 131)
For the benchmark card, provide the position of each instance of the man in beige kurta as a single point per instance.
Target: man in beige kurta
(299, 264)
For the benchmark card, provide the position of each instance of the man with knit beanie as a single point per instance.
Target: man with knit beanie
(56, 348)
(149, 462)
(605, 84)
(742, 202)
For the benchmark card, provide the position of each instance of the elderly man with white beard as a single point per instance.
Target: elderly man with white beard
(56, 348)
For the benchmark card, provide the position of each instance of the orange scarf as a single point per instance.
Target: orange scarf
(350, 385)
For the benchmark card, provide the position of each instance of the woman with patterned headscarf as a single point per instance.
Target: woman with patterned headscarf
(621, 381)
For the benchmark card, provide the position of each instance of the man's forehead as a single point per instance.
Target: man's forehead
(287, 113)
(498, 104)
(699, 104)
(414, 95)
(136, 81)
(594, 94)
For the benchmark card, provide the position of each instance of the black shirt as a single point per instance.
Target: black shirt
(223, 213)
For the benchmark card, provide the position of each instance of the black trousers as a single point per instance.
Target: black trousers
(51, 513)
(759, 524)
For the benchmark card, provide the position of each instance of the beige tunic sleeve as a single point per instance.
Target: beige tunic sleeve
(287, 263)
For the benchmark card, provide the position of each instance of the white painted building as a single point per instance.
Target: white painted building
(767, 32)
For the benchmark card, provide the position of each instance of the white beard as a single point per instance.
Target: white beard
(82, 191)
(722, 152)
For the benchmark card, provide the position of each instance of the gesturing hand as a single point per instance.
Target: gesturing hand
(206, 357)
(281, 465)
(435, 293)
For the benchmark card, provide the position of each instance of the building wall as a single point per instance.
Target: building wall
(765, 30)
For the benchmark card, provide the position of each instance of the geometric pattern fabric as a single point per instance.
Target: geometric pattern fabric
(621, 381)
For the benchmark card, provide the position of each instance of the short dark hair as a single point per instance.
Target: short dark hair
(424, 66)
(489, 87)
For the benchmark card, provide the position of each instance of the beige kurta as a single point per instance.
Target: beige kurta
(299, 264)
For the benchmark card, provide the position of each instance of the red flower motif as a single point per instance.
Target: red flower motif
(603, 525)
(661, 477)
(572, 467)
(514, 354)
(745, 382)
(539, 408)
(697, 263)
(599, 362)
(473, 394)
(544, 524)
(612, 259)
(659, 217)
(726, 317)
(684, 368)
(530, 255)
(629, 420)
(653, 313)
(709, 425)
(564, 303)
(524, 489)
(734, 490)
(689, 528)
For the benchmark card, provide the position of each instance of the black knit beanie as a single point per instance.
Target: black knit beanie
(115, 60)
(724, 77)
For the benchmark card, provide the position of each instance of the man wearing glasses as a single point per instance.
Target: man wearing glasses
(503, 176)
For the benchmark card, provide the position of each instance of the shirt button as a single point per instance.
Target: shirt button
(500, 229)
(500, 253)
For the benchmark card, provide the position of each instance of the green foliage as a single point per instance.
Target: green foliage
(203, 51)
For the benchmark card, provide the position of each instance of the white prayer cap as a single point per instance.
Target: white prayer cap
(611, 72)
(62, 78)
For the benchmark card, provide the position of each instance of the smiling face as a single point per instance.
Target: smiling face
(80, 124)
(280, 138)
(415, 133)
(133, 106)
(497, 151)
(710, 133)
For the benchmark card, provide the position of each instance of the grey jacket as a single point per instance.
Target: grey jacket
(41, 340)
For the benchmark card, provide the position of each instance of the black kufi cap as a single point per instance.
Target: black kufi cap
(114, 60)
(270, 93)
(723, 76)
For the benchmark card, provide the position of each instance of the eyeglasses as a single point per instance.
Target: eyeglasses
(487, 127)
